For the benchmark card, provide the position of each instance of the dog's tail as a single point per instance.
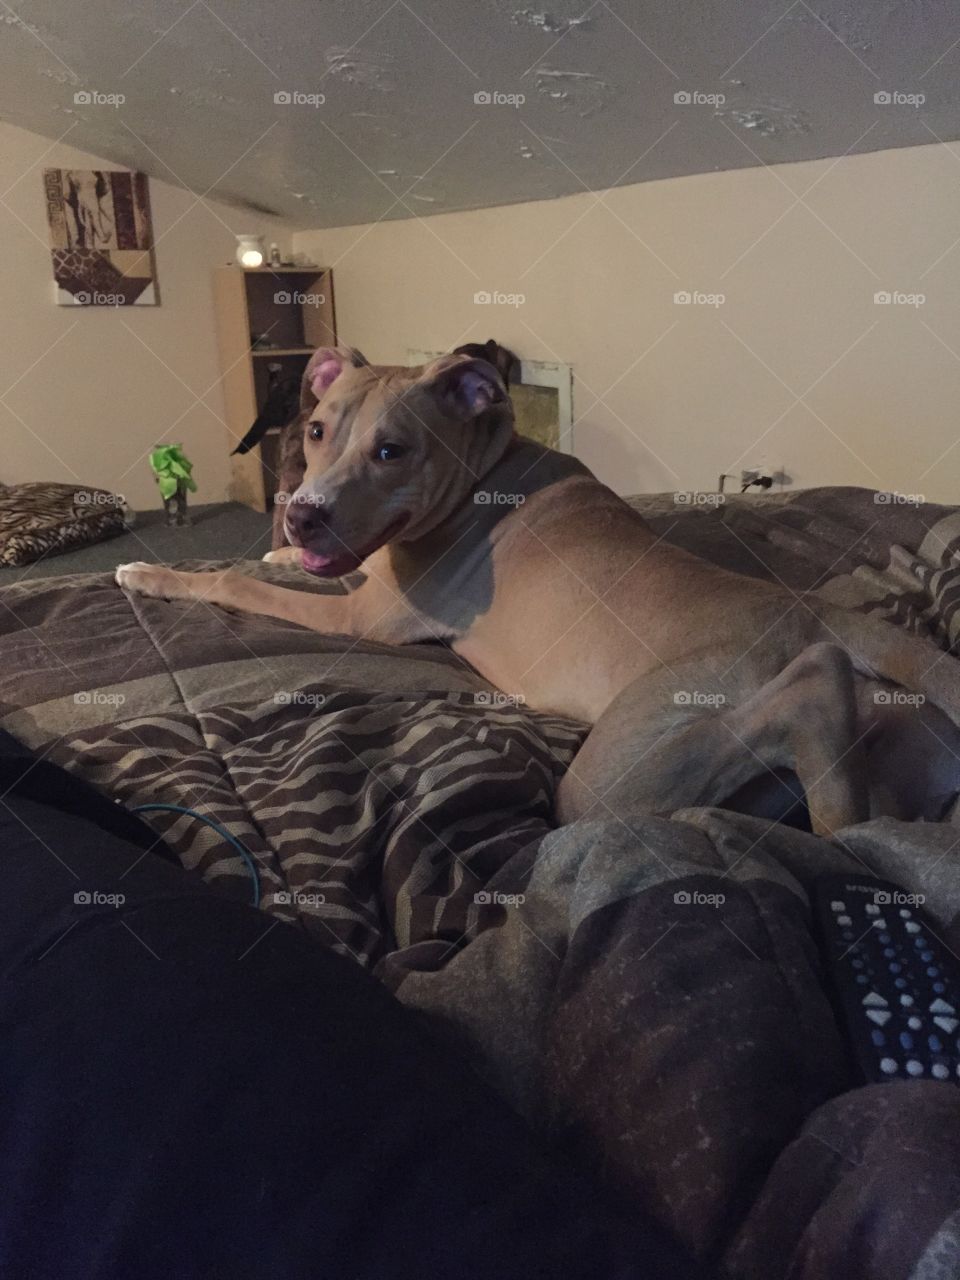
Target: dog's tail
(883, 650)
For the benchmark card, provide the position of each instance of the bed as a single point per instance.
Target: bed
(400, 813)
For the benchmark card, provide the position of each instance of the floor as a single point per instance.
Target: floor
(220, 531)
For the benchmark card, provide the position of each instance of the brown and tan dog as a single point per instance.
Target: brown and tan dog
(704, 687)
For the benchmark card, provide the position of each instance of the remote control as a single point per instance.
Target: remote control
(897, 985)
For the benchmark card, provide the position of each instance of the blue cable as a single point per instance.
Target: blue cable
(245, 854)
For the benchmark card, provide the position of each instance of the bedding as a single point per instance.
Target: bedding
(144, 1147)
(649, 997)
(41, 519)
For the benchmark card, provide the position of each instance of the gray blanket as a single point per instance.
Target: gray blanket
(650, 997)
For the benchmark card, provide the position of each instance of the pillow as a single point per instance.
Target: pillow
(46, 519)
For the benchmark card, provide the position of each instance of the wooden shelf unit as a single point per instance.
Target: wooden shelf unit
(290, 306)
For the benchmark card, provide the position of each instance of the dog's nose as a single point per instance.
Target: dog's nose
(305, 518)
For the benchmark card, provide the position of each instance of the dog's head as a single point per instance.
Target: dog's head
(390, 452)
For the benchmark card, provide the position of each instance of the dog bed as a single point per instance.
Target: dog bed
(41, 519)
(650, 997)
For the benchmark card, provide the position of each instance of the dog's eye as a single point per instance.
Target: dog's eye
(389, 452)
(316, 431)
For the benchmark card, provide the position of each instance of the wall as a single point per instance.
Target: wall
(799, 367)
(85, 393)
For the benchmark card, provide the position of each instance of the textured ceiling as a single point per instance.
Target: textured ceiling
(399, 133)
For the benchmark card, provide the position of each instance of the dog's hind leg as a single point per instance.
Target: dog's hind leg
(655, 749)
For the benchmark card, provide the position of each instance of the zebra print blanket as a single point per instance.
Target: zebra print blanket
(651, 998)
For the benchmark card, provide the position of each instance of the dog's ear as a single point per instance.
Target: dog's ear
(323, 368)
(464, 387)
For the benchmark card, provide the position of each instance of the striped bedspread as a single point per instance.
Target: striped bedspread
(650, 997)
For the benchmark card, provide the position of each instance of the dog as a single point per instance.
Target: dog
(291, 461)
(703, 687)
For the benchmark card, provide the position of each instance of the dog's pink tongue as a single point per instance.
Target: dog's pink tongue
(317, 564)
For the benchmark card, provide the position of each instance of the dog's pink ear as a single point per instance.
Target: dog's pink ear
(325, 373)
(323, 369)
(466, 387)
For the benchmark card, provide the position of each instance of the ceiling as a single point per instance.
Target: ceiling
(399, 133)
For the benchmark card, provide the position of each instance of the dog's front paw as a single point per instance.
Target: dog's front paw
(150, 580)
(284, 555)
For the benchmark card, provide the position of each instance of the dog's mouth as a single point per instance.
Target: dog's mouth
(344, 560)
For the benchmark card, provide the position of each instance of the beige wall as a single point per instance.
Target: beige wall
(666, 395)
(96, 388)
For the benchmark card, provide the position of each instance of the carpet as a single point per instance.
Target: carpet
(220, 531)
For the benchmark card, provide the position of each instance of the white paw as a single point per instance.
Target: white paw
(149, 580)
(284, 555)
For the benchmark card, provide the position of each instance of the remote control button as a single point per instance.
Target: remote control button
(884, 938)
(880, 1016)
(906, 1001)
(900, 983)
(879, 923)
(874, 1000)
(914, 1024)
(905, 913)
(912, 927)
(878, 1038)
(926, 956)
(888, 1066)
(844, 920)
(906, 1039)
(914, 1068)
(938, 1006)
(857, 964)
(889, 952)
(941, 1071)
(837, 905)
(895, 968)
(949, 1025)
(935, 1043)
(939, 988)
(933, 972)
(872, 909)
(862, 977)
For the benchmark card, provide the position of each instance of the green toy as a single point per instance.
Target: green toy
(172, 469)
